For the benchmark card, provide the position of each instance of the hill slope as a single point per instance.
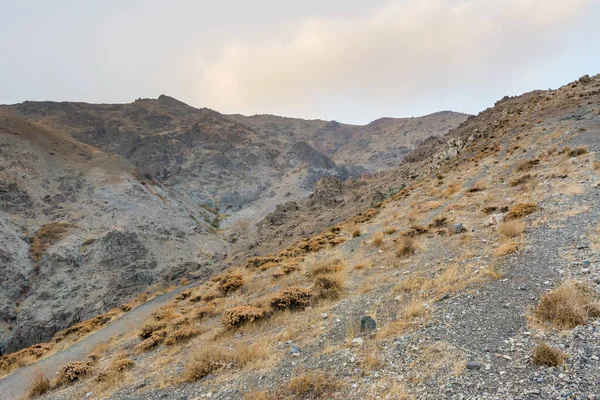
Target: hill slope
(485, 256)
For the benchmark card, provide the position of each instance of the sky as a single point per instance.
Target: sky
(348, 60)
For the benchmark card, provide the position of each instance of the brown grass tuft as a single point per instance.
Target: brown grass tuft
(291, 298)
(240, 315)
(520, 180)
(521, 210)
(356, 231)
(407, 246)
(72, 372)
(327, 286)
(578, 151)
(548, 356)
(596, 165)
(47, 235)
(205, 361)
(506, 248)
(312, 385)
(567, 306)
(228, 282)
(378, 239)
(511, 229)
(150, 327)
(39, 385)
(525, 165)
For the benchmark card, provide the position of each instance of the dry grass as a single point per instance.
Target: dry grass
(228, 282)
(46, 236)
(240, 315)
(520, 180)
(291, 298)
(38, 386)
(312, 385)
(525, 165)
(72, 372)
(437, 359)
(430, 205)
(567, 306)
(596, 165)
(206, 360)
(328, 286)
(511, 229)
(548, 356)
(521, 210)
(578, 151)
(378, 239)
(506, 248)
(390, 231)
(211, 358)
(407, 246)
(356, 231)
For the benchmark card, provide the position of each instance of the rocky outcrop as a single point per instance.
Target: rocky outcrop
(328, 192)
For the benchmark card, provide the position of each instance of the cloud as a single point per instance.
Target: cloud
(407, 50)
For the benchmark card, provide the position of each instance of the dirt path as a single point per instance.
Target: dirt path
(15, 385)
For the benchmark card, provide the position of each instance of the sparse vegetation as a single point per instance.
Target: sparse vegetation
(378, 239)
(38, 386)
(511, 229)
(525, 165)
(240, 315)
(521, 210)
(548, 356)
(407, 246)
(356, 231)
(312, 385)
(292, 298)
(567, 306)
(46, 236)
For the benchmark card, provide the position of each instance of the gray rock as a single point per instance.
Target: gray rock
(367, 324)
(457, 228)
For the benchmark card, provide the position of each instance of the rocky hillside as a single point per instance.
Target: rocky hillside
(377, 146)
(83, 231)
(101, 202)
(471, 271)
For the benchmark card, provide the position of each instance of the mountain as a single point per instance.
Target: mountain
(102, 203)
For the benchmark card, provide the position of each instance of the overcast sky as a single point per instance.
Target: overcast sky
(351, 60)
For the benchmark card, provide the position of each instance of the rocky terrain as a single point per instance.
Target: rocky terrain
(100, 203)
(471, 271)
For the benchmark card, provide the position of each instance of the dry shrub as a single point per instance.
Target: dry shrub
(47, 235)
(415, 230)
(291, 298)
(212, 295)
(596, 165)
(228, 282)
(451, 189)
(506, 248)
(439, 222)
(326, 268)
(410, 284)
(356, 231)
(72, 372)
(521, 210)
(151, 342)
(389, 230)
(548, 356)
(122, 364)
(205, 361)
(312, 385)
(527, 164)
(407, 246)
(327, 286)
(430, 205)
(378, 239)
(511, 229)
(552, 150)
(38, 386)
(240, 315)
(183, 334)
(208, 310)
(150, 327)
(211, 358)
(183, 295)
(259, 395)
(475, 189)
(567, 306)
(414, 309)
(520, 180)
(578, 151)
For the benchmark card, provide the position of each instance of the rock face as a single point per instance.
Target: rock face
(328, 192)
(80, 233)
